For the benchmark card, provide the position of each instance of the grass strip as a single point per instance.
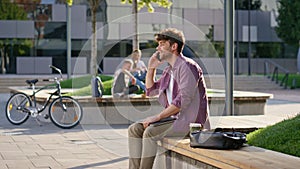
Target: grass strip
(282, 137)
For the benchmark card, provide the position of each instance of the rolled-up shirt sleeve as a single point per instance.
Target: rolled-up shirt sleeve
(177, 101)
(154, 89)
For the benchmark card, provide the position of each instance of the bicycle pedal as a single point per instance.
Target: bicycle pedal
(46, 116)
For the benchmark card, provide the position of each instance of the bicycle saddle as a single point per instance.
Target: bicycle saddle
(30, 82)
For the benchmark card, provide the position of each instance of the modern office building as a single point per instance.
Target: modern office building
(36, 37)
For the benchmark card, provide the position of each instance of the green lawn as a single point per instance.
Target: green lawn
(282, 137)
(292, 76)
(87, 90)
(290, 80)
(83, 84)
(83, 81)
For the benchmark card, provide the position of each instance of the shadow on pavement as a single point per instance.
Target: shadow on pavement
(101, 163)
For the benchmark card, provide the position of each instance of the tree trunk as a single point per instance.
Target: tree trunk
(93, 69)
(135, 40)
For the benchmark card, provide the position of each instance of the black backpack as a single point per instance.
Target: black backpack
(217, 139)
(97, 87)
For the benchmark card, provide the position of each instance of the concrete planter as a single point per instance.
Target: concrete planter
(127, 110)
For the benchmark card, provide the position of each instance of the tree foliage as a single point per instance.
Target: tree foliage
(10, 11)
(288, 28)
(139, 4)
(148, 4)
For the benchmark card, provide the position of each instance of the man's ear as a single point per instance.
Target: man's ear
(174, 46)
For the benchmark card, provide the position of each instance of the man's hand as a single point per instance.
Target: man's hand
(149, 120)
(153, 61)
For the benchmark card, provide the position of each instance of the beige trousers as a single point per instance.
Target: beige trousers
(143, 143)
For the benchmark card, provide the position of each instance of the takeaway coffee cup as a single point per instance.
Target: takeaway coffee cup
(195, 127)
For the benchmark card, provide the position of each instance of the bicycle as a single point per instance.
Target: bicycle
(64, 111)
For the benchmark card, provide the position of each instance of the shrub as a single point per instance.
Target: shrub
(282, 137)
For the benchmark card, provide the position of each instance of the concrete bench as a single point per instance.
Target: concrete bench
(180, 155)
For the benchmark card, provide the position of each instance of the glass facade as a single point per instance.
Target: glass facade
(42, 33)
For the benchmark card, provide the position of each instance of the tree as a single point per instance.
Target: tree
(136, 6)
(288, 28)
(9, 11)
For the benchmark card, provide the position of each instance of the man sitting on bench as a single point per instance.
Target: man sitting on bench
(182, 92)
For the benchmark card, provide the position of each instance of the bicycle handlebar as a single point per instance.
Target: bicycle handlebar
(56, 69)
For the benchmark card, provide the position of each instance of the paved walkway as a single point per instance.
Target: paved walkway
(99, 146)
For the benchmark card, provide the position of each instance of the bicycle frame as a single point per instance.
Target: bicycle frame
(57, 92)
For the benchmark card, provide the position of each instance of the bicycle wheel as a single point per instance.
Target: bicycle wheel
(65, 112)
(15, 108)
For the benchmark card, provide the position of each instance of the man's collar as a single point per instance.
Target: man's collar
(178, 61)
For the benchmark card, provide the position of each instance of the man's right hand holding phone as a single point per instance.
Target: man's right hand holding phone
(154, 61)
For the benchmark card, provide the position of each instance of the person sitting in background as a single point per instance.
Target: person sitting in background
(139, 69)
(124, 82)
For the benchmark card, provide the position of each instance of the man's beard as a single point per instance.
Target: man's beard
(165, 55)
